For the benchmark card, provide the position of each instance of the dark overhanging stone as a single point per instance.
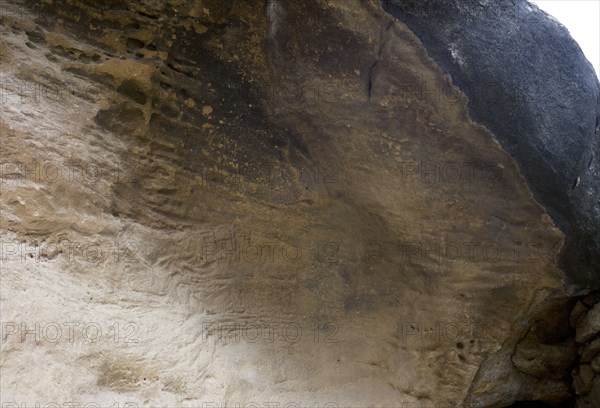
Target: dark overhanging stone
(544, 109)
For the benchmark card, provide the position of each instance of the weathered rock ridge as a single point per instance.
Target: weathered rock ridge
(210, 203)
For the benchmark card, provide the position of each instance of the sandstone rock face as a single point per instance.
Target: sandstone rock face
(530, 83)
(220, 203)
(521, 87)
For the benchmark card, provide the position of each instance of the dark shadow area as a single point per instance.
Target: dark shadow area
(538, 404)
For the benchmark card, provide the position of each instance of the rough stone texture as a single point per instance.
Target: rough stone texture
(591, 400)
(538, 339)
(591, 299)
(545, 360)
(499, 384)
(530, 83)
(175, 171)
(589, 351)
(588, 365)
(589, 326)
(583, 379)
(596, 364)
(577, 314)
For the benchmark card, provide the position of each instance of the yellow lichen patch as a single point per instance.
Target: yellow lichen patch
(200, 28)
(207, 110)
(197, 10)
(122, 70)
(59, 40)
(143, 35)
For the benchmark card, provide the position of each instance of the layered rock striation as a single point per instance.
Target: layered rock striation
(249, 202)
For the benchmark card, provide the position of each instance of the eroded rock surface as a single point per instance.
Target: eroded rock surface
(247, 202)
(528, 81)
